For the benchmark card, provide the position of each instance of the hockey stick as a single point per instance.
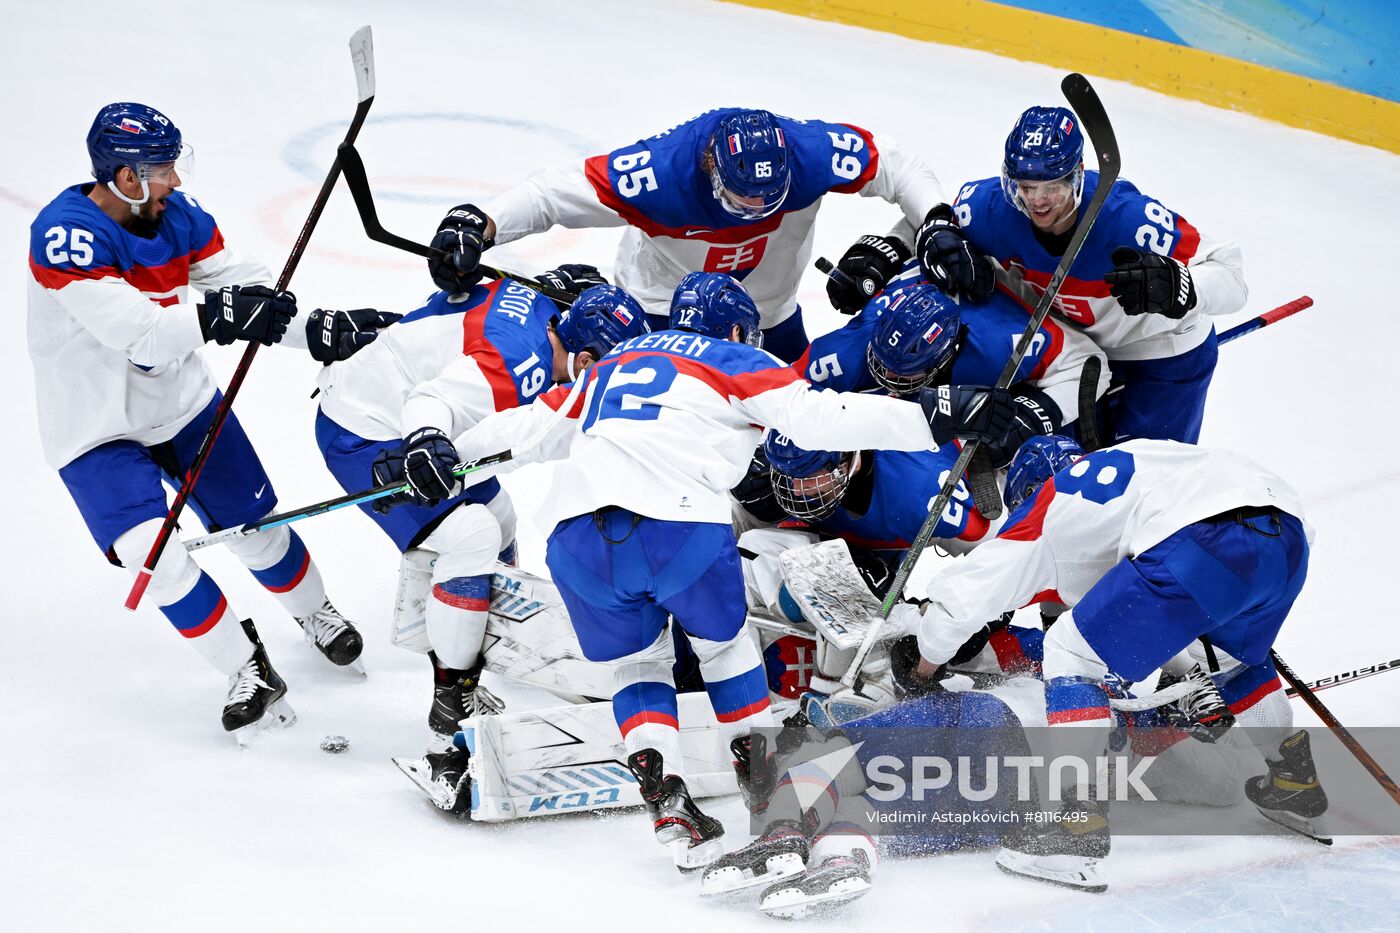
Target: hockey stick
(330, 505)
(1339, 730)
(1334, 680)
(1094, 119)
(358, 183)
(362, 57)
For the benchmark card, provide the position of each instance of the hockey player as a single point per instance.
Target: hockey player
(435, 374)
(1154, 545)
(124, 397)
(639, 521)
(734, 191)
(1145, 285)
(913, 335)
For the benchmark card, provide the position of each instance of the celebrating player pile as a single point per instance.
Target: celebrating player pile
(719, 515)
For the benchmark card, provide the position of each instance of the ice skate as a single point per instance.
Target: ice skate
(443, 777)
(256, 694)
(689, 835)
(781, 851)
(1290, 794)
(331, 633)
(458, 695)
(1202, 713)
(838, 880)
(1067, 852)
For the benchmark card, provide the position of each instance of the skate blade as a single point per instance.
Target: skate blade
(792, 903)
(1298, 824)
(721, 880)
(277, 717)
(690, 858)
(418, 771)
(1079, 874)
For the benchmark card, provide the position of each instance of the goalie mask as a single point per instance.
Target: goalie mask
(1038, 459)
(808, 484)
(915, 340)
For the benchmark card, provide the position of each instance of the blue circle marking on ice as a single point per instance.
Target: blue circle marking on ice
(299, 150)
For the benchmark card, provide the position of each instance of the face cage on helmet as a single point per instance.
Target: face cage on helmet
(726, 198)
(815, 507)
(1010, 187)
(902, 385)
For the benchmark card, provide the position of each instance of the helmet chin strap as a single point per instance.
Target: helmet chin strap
(135, 205)
(573, 374)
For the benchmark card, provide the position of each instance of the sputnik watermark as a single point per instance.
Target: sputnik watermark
(1115, 777)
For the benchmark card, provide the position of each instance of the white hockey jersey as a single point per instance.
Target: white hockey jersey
(446, 365)
(1112, 504)
(666, 424)
(113, 331)
(658, 188)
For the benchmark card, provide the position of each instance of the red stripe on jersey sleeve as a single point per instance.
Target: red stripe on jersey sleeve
(976, 527)
(1188, 240)
(595, 169)
(1030, 525)
(215, 244)
(1057, 343)
(1051, 595)
(871, 167)
(747, 385)
(56, 279)
(559, 395)
(803, 361)
(1075, 288)
(488, 358)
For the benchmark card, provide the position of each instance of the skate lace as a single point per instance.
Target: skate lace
(323, 626)
(481, 702)
(245, 683)
(1204, 699)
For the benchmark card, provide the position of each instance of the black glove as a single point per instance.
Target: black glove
(878, 574)
(949, 261)
(462, 238)
(332, 336)
(868, 265)
(755, 491)
(974, 645)
(1145, 283)
(428, 459)
(388, 469)
(246, 312)
(968, 412)
(904, 660)
(572, 277)
(1035, 413)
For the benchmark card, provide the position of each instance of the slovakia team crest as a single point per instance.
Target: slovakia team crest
(932, 333)
(789, 662)
(1066, 125)
(133, 126)
(622, 314)
(738, 260)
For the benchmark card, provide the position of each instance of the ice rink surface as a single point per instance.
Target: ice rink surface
(123, 806)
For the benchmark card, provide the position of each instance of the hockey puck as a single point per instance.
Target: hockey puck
(334, 744)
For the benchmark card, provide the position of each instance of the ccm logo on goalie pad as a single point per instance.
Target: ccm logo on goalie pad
(508, 602)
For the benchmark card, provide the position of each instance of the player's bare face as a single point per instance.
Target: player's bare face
(161, 180)
(1050, 204)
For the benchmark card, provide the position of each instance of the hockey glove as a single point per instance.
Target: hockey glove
(388, 470)
(870, 263)
(332, 336)
(462, 238)
(428, 460)
(246, 312)
(1145, 283)
(949, 261)
(1034, 413)
(572, 277)
(755, 491)
(904, 664)
(969, 413)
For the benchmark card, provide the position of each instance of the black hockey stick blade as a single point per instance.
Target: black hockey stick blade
(353, 168)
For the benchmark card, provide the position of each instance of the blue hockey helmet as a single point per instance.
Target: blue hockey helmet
(711, 303)
(127, 134)
(915, 340)
(1045, 145)
(598, 320)
(1039, 458)
(749, 174)
(808, 484)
